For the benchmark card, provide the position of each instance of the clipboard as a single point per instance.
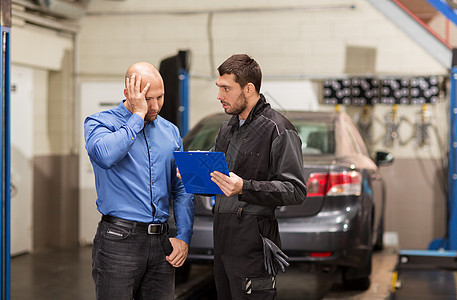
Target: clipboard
(195, 168)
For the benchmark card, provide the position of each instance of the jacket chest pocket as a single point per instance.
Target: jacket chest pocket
(252, 160)
(249, 164)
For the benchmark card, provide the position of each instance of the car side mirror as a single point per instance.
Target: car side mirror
(384, 158)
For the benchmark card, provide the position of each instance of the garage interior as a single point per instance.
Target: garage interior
(67, 60)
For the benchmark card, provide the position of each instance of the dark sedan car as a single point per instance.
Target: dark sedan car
(341, 221)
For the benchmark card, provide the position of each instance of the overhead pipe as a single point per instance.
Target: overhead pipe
(72, 10)
(227, 10)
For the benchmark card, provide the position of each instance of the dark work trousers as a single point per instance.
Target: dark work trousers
(130, 264)
(238, 255)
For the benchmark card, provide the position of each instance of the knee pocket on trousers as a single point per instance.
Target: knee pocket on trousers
(259, 284)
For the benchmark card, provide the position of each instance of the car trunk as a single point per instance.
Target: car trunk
(312, 205)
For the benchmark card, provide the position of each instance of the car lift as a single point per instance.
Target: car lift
(425, 274)
(432, 274)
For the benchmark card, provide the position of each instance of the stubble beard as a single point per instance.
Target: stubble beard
(239, 106)
(148, 118)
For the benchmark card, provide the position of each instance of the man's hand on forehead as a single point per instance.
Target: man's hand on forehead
(136, 97)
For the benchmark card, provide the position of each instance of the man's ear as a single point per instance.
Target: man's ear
(249, 89)
(125, 93)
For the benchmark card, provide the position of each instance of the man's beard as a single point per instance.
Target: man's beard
(239, 106)
(149, 118)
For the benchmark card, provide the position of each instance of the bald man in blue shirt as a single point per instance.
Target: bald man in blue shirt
(131, 151)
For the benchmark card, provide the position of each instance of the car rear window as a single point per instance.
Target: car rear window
(317, 137)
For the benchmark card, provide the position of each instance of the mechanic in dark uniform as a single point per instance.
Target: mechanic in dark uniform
(263, 152)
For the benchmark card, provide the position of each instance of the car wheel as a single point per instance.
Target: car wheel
(379, 240)
(319, 280)
(360, 284)
(182, 273)
(359, 278)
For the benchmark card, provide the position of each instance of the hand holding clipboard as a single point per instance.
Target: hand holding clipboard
(196, 167)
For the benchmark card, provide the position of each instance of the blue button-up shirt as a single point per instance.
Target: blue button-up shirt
(135, 171)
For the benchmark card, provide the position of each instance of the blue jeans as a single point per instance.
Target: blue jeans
(130, 264)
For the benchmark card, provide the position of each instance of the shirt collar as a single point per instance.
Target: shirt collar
(124, 111)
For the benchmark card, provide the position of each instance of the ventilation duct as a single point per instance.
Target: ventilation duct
(62, 8)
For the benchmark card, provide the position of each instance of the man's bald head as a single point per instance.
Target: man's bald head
(145, 70)
(144, 87)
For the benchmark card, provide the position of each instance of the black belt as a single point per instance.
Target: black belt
(150, 228)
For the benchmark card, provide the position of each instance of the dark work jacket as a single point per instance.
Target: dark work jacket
(266, 153)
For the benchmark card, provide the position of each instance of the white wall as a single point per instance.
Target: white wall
(291, 95)
(48, 46)
(309, 40)
(21, 158)
(36, 52)
(46, 55)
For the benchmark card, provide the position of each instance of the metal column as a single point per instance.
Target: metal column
(450, 242)
(184, 99)
(452, 206)
(444, 7)
(5, 29)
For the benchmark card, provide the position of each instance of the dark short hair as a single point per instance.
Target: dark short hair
(245, 69)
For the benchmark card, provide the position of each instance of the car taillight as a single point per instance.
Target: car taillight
(321, 254)
(334, 184)
(317, 184)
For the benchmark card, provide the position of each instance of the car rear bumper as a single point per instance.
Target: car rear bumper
(332, 238)
(201, 246)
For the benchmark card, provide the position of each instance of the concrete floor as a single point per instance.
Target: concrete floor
(295, 283)
(67, 275)
(56, 275)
